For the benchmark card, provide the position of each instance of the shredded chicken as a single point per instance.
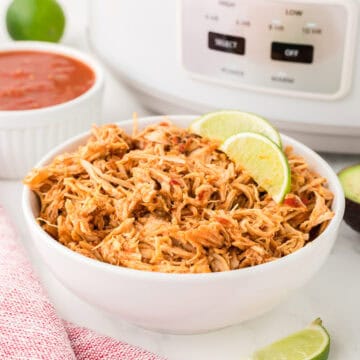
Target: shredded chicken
(167, 200)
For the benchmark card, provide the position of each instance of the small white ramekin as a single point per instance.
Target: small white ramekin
(26, 135)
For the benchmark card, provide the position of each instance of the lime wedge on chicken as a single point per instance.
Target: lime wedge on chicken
(220, 125)
(263, 160)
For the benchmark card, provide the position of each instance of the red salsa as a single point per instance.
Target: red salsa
(37, 79)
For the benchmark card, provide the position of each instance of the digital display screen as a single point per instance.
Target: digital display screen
(226, 43)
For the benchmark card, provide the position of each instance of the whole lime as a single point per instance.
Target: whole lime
(42, 20)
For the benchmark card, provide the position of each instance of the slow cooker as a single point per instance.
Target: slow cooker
(294, 62)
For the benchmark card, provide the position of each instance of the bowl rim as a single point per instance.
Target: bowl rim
(42, 46)
(338, 207)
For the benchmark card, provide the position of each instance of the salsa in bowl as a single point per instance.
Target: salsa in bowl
(32, 79)
(48, 93)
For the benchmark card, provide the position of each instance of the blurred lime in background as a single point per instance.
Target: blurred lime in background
(41, 20)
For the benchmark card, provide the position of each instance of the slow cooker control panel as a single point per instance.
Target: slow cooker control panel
(294, 48)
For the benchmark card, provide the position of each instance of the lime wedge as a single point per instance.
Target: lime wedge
(311, 343)
(263, 160)
(222, 124)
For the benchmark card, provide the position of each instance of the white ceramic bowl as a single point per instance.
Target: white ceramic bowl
(26, 135)
(185, 303)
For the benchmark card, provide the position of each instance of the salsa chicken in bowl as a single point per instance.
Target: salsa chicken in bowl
(167, 202)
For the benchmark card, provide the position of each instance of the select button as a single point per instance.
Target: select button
(292, 52)
(226, 43)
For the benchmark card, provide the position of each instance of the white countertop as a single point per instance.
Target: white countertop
(333, 294)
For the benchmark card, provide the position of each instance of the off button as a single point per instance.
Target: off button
(292, 52)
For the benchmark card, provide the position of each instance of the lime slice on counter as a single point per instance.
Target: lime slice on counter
(263, 160)
(42, 20)
(311, 343)
(221, 125)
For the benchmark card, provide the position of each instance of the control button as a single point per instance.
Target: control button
(232, 70)
(226, 43)
(212, 17)
(311, 28)
(276, 25)
(292, 52)
(243, 22)
(282, 77)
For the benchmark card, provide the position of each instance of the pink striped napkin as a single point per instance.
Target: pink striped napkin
(29, 325)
